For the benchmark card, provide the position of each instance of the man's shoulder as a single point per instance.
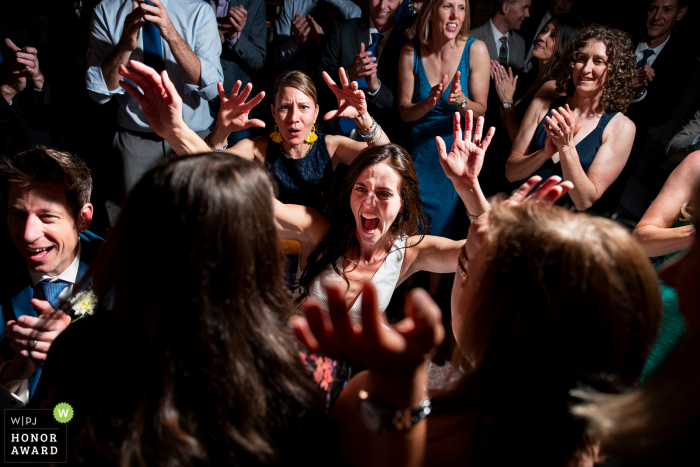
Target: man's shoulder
(517, 38)
(351, 24)
(480, 31)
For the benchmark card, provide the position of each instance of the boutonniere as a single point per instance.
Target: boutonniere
(83, 303)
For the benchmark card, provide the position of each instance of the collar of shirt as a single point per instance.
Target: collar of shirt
(496, 34)
(642, 46)
(220, 7)
(385, 37)
(70, 274)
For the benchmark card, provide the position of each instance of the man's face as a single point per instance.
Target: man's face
(383, 13)
(516, 13)
(42, 226)
(661, 17)
(560, 7)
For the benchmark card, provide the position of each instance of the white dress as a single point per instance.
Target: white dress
(385, 280)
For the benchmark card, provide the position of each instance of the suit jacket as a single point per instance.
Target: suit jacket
(682, 143)
(340, 50)
(516, 45)
(17, 293)
(248, 54)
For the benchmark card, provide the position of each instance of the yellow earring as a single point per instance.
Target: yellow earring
(312, 136)
(276, 136)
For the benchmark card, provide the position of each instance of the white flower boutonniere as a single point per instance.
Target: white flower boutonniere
(83, 304)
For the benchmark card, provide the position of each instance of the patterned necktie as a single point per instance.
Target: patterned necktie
(152, 48)
(503, 52)
(647, 53)
(52, 290)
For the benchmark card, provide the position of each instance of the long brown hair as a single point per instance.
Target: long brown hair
(204, 324)
(424, 26)
(565, 300)
(341, 235)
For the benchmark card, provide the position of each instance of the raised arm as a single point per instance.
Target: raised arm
(609, 161)
(521, 164)
(300, 223)
(397, 361)
(162, 106)
(351, 104)
(655, 231)
(409, 110)
(233, 113)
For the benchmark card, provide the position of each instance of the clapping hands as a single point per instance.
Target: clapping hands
(436, 92)
(503, 81)
(561, 129)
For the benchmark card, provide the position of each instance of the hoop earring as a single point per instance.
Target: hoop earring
(276, 136)
(312, 136)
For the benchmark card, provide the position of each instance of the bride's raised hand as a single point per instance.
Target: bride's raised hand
(233, 112)
(463, 163)
(351, 100)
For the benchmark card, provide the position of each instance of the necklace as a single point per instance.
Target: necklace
(311, 145)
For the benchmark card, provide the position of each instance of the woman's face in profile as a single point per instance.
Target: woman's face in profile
(545, 44)
(471, 266)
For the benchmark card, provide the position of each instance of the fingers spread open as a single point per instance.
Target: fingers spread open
(457, 126)
(135, 93)
(520, 194)
(322, 331)
(303, 334)
(487, 139)
(255, 122)
(371, 323)
(428, 331)
(344, 333)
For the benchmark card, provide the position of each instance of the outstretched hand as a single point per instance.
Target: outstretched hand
(233, 112)
(351, 100)
(160, 102)
(398, 350)
(547, 193)
(463, 163)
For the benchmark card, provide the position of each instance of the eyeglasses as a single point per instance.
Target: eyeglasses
(463, 264)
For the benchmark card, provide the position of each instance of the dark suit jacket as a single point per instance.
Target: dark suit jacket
(339, 51)
(516, 45)
(248, 55)
(17, 292)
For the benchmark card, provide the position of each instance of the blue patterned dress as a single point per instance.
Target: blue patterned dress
(436, 191)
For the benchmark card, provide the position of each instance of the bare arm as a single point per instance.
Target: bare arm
(478, 79)
(520, 164)
(609, 161)
(300, 223)
(655, 231)
(122, 51)
(408, 110)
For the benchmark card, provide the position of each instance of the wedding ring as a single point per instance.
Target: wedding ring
(32, 345)
(503, 78)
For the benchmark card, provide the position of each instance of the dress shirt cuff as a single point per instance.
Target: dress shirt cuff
(210, 75)
(10, 400)
(232, 42)
(641, 97)
(95, 83)
(374, 93)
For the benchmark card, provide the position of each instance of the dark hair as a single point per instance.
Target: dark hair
(218, 368)
(341, 235)
(565, 299)
(568, 25)
(621, 69)
(297, 80)
(49, 165)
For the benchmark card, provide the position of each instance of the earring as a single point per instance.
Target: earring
(276, 136)
(312, 136)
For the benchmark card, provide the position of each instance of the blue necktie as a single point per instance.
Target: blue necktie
(347, 124)
(647, 53)
(152, 48)
(52, 290)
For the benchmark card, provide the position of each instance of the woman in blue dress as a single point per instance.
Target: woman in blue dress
(441, 49)
(583, 135)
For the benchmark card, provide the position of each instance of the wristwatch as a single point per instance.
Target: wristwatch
(463, 104)
(507, 105)
(380, 418)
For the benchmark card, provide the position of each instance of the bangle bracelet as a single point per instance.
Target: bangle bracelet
(376, 126)
(207, 140)
(378, 137)
(473, 218)
(367, 129)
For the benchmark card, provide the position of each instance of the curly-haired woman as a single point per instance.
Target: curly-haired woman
(583, 135)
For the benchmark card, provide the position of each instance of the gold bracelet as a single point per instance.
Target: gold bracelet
(367, 129)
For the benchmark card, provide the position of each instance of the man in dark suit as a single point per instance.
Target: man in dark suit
(48, 213)
(368, 49)
(503, 43)
(664, 69)
(243, 34)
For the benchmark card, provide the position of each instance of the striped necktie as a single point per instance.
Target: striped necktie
(503, 52)
(51, 291)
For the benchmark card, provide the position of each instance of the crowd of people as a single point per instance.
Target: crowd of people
(238, 283)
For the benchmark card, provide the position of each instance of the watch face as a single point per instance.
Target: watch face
(369, 415)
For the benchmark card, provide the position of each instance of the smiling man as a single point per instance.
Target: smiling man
(503, 43)
(48, 213)
(368, 49)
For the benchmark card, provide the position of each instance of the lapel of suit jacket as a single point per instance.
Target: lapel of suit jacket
(490, 44)
(361, 34)
(20, 302)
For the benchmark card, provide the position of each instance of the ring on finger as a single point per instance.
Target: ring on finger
(503, 78)
(32, 345)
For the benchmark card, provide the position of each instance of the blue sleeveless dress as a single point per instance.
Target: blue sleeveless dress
(307, 181)
(587, 148)
(437, 194)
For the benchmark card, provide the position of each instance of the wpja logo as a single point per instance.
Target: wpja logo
(37, 435)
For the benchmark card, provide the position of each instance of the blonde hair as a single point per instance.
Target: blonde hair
(424, 27)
